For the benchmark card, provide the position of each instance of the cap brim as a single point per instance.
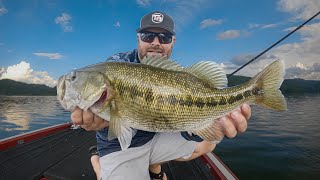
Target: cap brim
(146, 27)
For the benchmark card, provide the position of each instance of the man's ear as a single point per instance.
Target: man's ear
(174, 39)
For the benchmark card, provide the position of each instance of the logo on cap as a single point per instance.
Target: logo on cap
(157, 17)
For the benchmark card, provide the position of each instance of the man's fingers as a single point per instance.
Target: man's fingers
(88, 120)
(94, 123)
(239, 120)
(101, 123)
(246, 111)
(104, 124)
(76, 116)
(229, 128)
(87, 117)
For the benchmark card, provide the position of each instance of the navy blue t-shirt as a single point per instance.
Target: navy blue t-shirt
(105, 146)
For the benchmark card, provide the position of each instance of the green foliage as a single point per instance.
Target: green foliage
(10, 87)
(289, 86)
(300, 86)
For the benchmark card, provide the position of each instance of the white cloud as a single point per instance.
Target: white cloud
(117, 24)
(143, 3)
(230, 34)
(306, 51)
(49, 55)
(263, 26)
(304, 72)
(269, 26)
(64, 22)
(24, 73)
(300, 9)
(253, 25)
(209, 22)
(244, 58)
(2, 70)
(3, 11)
(301, 57)
(301, 66)
(301, 60)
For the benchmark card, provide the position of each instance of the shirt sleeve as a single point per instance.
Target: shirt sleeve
(130, 56)
(116, 57)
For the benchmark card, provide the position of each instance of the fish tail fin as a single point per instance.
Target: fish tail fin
(267, 83)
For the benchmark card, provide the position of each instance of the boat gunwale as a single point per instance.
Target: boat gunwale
(21, 139)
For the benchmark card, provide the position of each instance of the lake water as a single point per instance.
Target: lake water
(19, 114)
(277, 145)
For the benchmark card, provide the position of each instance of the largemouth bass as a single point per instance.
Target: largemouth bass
(159, 95)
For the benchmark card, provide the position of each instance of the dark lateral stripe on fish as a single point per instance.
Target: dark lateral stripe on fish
(134, 92)
(247, 93)
(235, 98)
(212, 102)
(149, 95)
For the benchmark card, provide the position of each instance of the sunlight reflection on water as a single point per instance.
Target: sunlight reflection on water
(277, 145)
(20, 114)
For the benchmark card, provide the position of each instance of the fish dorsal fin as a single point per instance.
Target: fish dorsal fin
(162, 62)
(210, 72)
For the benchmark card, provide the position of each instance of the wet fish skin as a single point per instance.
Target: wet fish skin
(161, 99)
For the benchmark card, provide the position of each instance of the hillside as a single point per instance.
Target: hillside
(288, 86)
(11, 87)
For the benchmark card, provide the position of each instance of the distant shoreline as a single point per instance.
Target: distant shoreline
(289, 87)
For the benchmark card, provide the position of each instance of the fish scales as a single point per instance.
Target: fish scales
(168, 100)
(158, 95)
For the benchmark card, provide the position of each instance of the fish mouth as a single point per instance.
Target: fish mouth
(101, 101)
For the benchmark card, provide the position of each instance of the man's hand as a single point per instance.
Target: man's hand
(233, 123)
(88, 120)
(236, 121)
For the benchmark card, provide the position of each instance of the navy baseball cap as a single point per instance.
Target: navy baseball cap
(157, 19)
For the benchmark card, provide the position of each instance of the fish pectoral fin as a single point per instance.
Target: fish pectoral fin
(117, 130)
(209, 72)
(114, 123)
(126, 136)
(212, 132)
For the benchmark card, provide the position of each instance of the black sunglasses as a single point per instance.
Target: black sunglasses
(148, 37)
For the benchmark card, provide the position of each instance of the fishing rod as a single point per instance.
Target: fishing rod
(273, 45)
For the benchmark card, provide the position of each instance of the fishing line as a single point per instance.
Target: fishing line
(274, 44)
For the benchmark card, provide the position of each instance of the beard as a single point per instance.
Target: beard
(153, 51)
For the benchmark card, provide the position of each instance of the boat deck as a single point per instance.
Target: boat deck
(64, 155)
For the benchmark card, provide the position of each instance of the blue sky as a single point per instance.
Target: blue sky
(41, 40)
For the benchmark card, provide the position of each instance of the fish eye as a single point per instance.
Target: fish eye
(73, 76)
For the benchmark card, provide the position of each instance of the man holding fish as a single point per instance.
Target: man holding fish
(138, 154)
